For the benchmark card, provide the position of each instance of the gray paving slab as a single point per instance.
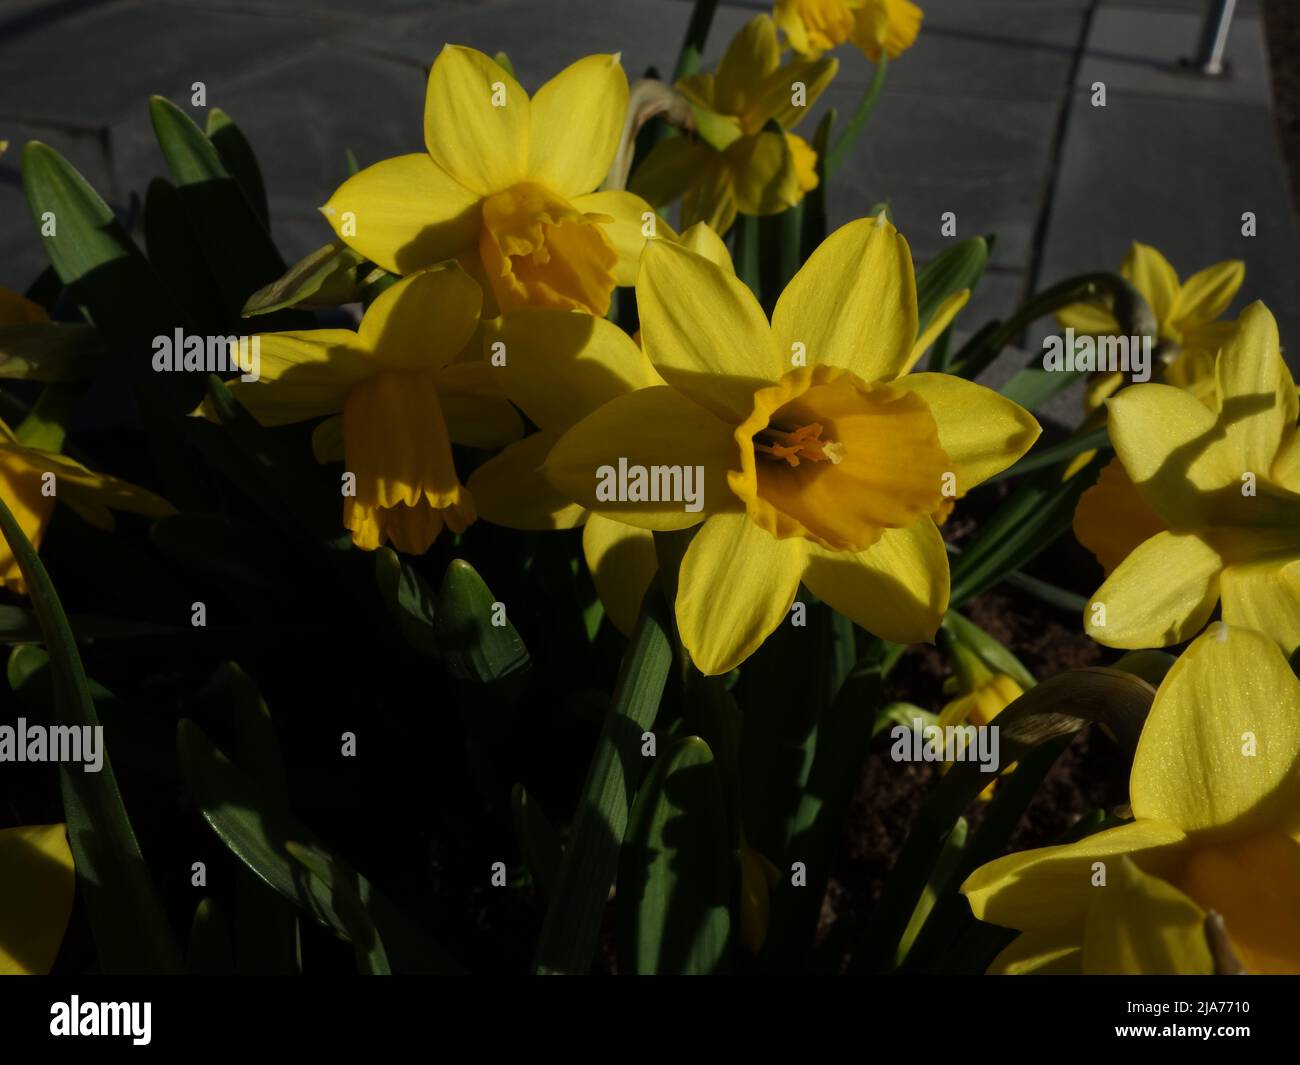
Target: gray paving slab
(1139, 50)
(97, 64)
(931, 154)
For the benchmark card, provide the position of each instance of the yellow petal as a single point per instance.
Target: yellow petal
(1253, 884)
(631, 215)
(19, 310)
(1112, 519)
(1042, 952)
(396, 443)
(736, 584)
(671, 167)
(981, 432)
(477, 120)
(1150, 273)
(559, 366)
(853, 303)
(101, 488)
(1161, 594)
(1227, 716)
(888, 26)
(752, 55)
(1088, 319)
(764, 177)
(31, 508)
(664, 434)
(622, 562)
(775, 98)
(1257, 394)
(711, 198)
(1172, 450)
(704, 330)
(1053, 886)
(1264, 595)
(302, 375)
(896, 589)
(702, 240)
(939, 321)
(477, 412)
(1207, 293)
(1141, 925)
(36, 895)
(423, 321)
(404, 214)
(577, 119)
(511, 489)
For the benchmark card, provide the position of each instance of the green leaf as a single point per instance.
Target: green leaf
(958, 267)
(211, 950)
(746, 251)
(538, 842)
(991, 652)
(258, 831)
(372, 958)
(943, 870)
(409, 600)
(50, 351)
(1028, 521)
(126, 917)
(107, 275)
(175, 254)
(328, 277)
(677, 875)
(240, 162)
(1095, 439)
(234, 240)
(473, 645)
(572, 924)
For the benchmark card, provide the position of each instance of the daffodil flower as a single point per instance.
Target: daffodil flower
(873, 26)
(1187, 314)
(1220, 486)
(403, 397)
(507, 186)
(1214, 791)
(741, 165)
(980, 695)
(37, 883)
(820, 460)
(33, 479)
(559, 367)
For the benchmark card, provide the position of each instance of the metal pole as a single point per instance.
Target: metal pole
(1214, 38)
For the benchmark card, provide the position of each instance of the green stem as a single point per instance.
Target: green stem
(697, 33)
(845, 141)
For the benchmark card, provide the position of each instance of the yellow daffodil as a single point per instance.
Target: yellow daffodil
(403, 397)
(19, 310)
(874, 26)
(37, 882)
(1218, 502)
(980, 696)
(813, 457)
(1215, 791)
(33, 479)
(558, 367)
(1187, 315)
(507, 186)
(737, 164)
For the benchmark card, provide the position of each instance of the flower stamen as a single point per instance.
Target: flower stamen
(793, 445)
